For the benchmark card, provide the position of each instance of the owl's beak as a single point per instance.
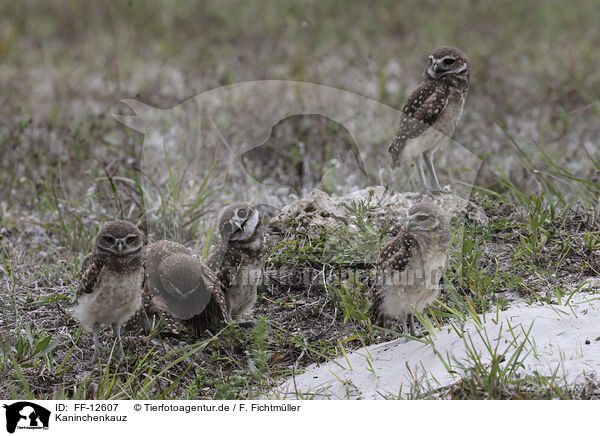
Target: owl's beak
(120, 246)
(436, 68)
(413, 224)
(237, 223)
(237, 226)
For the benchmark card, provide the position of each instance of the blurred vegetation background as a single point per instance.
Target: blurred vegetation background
(532, 111)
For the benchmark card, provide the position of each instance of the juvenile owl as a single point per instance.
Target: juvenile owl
(110, 287)
(180, 288)
(239, 258)
(411, 265)
(432, 112)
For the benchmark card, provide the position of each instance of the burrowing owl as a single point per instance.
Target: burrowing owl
(410, 266)
(239, 259)
(432, 112)
(181, 286)
(110, 287)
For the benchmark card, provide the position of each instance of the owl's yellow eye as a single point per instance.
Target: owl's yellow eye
(108, 239)
(449, 61)
(131, 239)
(242, 213)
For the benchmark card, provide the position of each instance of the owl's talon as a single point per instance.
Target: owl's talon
(246, 323)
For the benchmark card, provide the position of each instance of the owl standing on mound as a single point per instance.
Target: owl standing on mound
(410, 267)
(110, 287)
(432, 112)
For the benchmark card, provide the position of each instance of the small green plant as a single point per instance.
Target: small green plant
(6, 267)
(469, 274)
(539, 215)
(352, 297)
(471, 278)
(360, 210)
(360, 246)
(257, 362)
(591, 242)
(488, 370)
(32, 344)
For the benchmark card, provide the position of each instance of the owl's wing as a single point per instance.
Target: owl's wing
(215, 312)
(159, 306)
(394, 257)
(222, 266)
(421, 110)
(215, 259)
(154, 309)
(225, 264)
(91, 268)
(396, 254)
(152, 305)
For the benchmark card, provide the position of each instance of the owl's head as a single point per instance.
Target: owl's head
(120, 238)
(240, 222)
(427, 217)
(449, 63)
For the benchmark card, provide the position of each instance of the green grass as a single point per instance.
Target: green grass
(237, 363)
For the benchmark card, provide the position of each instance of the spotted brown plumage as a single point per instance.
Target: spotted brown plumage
(410, 266)
(180, 290)
(91, 267)
(420, 112)
(397, 254)
(110, 285)
(239, 259)
(431, 112)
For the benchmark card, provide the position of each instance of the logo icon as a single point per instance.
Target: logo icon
(26, 415)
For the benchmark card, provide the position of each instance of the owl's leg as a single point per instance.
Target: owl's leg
(238, 313)
(117, 333)
(384, 321)
(403, 323)
(96, 334)
(411, 324)
(241, 320)
(419, 164)
(428, 158)
(380, 319)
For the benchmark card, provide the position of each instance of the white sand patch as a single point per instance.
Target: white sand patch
(564, 340)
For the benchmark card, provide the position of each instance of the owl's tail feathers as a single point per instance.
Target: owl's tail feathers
(396, 149)
(393, 150)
